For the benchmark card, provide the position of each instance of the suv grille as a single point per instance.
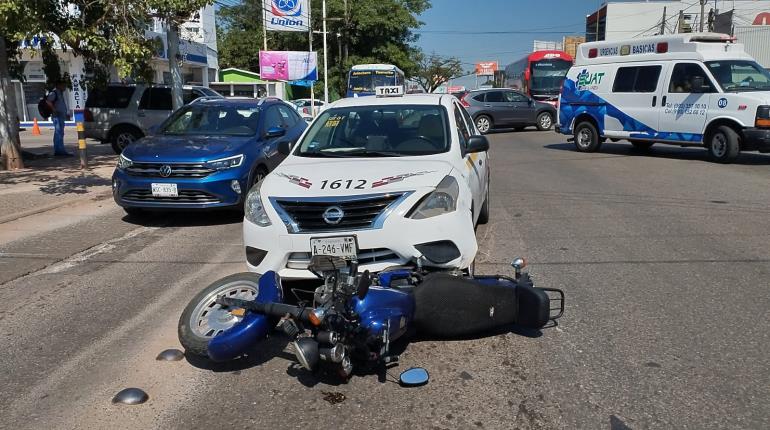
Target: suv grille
(185, 196)
(302, 215)
(178, 170)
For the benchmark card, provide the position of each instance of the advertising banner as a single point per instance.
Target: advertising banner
(288, 65)
(486, 68)
(286, 15)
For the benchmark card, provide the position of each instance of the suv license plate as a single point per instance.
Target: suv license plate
(339, 246)
(164, 190)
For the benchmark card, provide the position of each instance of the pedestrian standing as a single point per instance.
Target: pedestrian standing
(58, 105)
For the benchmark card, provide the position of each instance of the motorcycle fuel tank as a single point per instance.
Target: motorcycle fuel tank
(252, 328)
(383, 306)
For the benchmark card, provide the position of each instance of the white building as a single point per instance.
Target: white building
(198, 49)
(743, 18)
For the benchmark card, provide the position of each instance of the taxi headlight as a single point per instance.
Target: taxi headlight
(442, 200)
(225, 163)
(124, 162)
(254, 210)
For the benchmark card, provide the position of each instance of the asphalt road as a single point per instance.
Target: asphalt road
(664, 256)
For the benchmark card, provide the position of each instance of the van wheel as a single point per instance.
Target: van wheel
(544, 121)
(724, 144)
(586, 137)
(484, 124)
(122, 136)
(641, 145)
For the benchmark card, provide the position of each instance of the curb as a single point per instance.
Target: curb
(96, 196)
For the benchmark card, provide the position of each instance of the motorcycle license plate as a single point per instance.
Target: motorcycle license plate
(338, 246)
(164, 190)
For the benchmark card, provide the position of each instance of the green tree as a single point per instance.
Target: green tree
(106, 33)
(434, 70)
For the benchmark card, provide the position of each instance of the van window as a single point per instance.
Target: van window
(683, 76)
(638, 79)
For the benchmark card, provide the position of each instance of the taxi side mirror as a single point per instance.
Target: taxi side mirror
(477, 144)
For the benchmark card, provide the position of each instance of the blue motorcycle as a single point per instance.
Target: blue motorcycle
(353, 317)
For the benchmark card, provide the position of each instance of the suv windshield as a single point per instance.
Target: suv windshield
(212, 120)
(377, 131)
(736, 75)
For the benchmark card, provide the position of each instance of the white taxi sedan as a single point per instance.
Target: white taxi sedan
(389, 180)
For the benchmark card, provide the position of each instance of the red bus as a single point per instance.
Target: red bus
(539, 74)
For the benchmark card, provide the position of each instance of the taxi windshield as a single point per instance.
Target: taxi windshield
(737, 75)
(377, 131)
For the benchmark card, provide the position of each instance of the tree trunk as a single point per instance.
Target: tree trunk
(10, 146)
(172, 39)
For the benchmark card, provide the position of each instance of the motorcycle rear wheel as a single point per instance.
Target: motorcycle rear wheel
(203, 319)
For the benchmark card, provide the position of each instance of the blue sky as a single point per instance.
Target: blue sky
(546, 19)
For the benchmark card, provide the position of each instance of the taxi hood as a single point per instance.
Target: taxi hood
(313, 177)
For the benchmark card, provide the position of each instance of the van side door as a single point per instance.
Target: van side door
(636, 93)
(685, 103)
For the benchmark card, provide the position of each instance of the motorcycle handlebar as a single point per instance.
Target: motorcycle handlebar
(270, 308)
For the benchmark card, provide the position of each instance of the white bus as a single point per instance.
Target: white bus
(363, 78)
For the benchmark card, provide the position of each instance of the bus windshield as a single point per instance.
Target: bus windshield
(548, 76)
(365, 81)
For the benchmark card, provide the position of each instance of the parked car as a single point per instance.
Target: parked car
(121, 114)
(503, 107)
(208, 154)
(390, 180)
(303, 107)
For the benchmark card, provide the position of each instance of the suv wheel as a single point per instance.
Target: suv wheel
(544, 121)
(122, 136)
(484, 124)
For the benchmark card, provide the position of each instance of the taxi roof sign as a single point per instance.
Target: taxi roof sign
(389, 91)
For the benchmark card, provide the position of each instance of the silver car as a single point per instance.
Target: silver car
(121, 114)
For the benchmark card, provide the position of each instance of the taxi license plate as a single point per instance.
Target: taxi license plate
(339, 246)
(164, 190)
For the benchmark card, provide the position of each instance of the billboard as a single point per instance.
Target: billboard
(288, 65)
(486, 68)
(286, 15)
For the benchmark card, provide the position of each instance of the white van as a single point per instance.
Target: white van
(697, 89)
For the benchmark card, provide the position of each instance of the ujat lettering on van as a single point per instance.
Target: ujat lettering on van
(585, 79)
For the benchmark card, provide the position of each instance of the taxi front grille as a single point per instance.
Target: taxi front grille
(306, 215)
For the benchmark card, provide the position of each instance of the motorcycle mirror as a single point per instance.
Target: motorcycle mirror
(519, 263)
(414, 377)
(364, 282)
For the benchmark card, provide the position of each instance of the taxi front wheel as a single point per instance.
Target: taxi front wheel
(723, 144)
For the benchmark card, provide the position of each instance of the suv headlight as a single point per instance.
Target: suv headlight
(442, 200)
(124, 162)
(225, 163)
(254, 210)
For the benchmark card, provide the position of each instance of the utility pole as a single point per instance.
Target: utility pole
(326, 61)
(702, 15)
(310, 38)
(663, 22)
(680, 22)
(172, 40)
(264, 27)
(347, 27)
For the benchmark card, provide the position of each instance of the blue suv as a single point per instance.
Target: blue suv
(207, 154)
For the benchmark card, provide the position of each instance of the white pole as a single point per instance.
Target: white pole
(310, 38)
(264, 27)
(326, 63)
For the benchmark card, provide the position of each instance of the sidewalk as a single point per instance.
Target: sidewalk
(49, 182)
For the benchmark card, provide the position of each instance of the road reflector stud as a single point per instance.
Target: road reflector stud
(130, 396)
(170, 355)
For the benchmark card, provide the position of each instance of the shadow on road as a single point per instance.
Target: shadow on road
(666, 151)
(179, 218)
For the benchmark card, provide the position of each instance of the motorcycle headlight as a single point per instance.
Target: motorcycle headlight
(124, 162)
(225, 163)
(442, 200)
(254, 210)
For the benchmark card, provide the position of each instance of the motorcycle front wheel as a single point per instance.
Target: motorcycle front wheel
(203, 319)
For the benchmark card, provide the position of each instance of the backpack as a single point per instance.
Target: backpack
(43, 108)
